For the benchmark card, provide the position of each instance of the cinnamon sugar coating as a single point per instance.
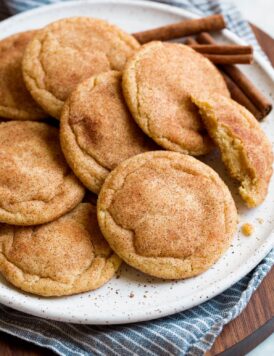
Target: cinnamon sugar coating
(245, 148)
(68, 51)
(158, 82)
(97, 130)
(64, 257)
(15, 100)
(36, 184)
(167, 214)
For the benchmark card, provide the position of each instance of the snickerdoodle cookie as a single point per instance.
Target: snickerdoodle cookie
(36, 184)
(158, 81)
(245, 149)
(68, 51)
(97, 130)
(66, 256)
(166, 214)
(15, 100)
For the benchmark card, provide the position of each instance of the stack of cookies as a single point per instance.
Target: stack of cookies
(131, 118)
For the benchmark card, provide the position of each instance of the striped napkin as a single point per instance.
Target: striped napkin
(191, 332)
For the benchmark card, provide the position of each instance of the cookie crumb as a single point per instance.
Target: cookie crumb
(131, 295)
(260, 220)
(247, 229)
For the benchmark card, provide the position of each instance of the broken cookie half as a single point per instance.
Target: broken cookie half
(245, 149)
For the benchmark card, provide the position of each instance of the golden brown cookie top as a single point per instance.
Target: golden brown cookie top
(167, 214)
(68, 51)
(245, 148)
(97, 130)
(66, 256)
(158, 81)
(15, 100)
(36, 184)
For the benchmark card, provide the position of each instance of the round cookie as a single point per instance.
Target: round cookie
(68, 51)
(166, 214)
(15, 100)
(36, 184)
(64, 257)
(246, 150)
(97, 131)
(157, 83)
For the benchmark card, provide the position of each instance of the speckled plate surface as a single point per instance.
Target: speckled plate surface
(133, 296)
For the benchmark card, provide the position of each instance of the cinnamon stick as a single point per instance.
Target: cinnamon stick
(182, 29)
(259, 100)
(262, 104)
(205, 38)
(221, 58)
(190, 41)
(229, 58)
(222, 49)
(236, 93)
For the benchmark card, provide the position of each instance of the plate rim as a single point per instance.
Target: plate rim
(220, 285)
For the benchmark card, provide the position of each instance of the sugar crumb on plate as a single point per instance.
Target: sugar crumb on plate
(247, 229)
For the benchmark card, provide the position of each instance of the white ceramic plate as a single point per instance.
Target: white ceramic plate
(134, 296)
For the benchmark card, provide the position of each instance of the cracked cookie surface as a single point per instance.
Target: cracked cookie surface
(64, 257)
(166, 214)
(97, 131)
(245, 148)
(68, 51)
(36, 184)
(15, 100)
(157, 83)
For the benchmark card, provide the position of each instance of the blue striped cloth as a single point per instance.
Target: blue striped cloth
(191, 332)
